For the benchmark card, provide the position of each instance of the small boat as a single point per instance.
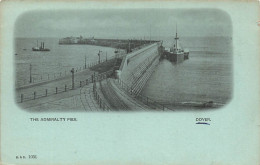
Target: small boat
(208, 104)
(41, 48)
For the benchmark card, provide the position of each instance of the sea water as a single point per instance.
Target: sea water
(54, 63)
(205, 76)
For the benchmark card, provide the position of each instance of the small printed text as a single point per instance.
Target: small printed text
(25, 157)
(53, 119)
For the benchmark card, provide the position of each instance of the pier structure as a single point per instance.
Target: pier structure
(137, 67)
(114, 43)
(123, 91)
(110, 85)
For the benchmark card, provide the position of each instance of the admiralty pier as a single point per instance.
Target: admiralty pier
(110, 84)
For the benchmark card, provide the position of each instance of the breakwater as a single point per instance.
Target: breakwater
(124, 92)
(128, 45)
(137, 67)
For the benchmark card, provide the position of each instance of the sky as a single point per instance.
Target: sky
(118, 23)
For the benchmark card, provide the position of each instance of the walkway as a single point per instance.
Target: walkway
(62, 85)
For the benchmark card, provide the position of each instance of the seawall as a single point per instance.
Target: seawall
(137, 67)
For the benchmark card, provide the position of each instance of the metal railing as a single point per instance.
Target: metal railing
(100, 100)
(50, 91)
(40, 78)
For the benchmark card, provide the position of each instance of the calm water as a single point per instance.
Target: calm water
(58, 61)
(206, 76)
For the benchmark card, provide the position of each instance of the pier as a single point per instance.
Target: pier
(107, 85)
(114, 43)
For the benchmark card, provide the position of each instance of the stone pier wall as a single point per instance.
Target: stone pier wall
(137, 67)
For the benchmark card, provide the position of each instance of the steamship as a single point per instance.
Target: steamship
(41, 48)
(176, 53)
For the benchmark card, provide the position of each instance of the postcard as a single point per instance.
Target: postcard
(130, 82)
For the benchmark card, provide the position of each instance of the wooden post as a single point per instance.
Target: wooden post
(65, 87)
(80, 84)
(34, 95)
(72, 72)
(99, 56)
(56, 90)
(46, 92)
(30, 81)
(86, 81)
(85, 62)
(21, 98)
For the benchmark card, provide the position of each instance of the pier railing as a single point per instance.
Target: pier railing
(40, 78)
(41, 92)
(50, 91)
(99, 99)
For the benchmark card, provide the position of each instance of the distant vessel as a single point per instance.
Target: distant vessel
(116, 50)
(41, 48)
(176, 54)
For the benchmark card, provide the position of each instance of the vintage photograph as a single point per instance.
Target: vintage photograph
(123, 60)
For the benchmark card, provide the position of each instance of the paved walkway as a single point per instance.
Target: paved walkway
(40, 89)
(78, 100)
